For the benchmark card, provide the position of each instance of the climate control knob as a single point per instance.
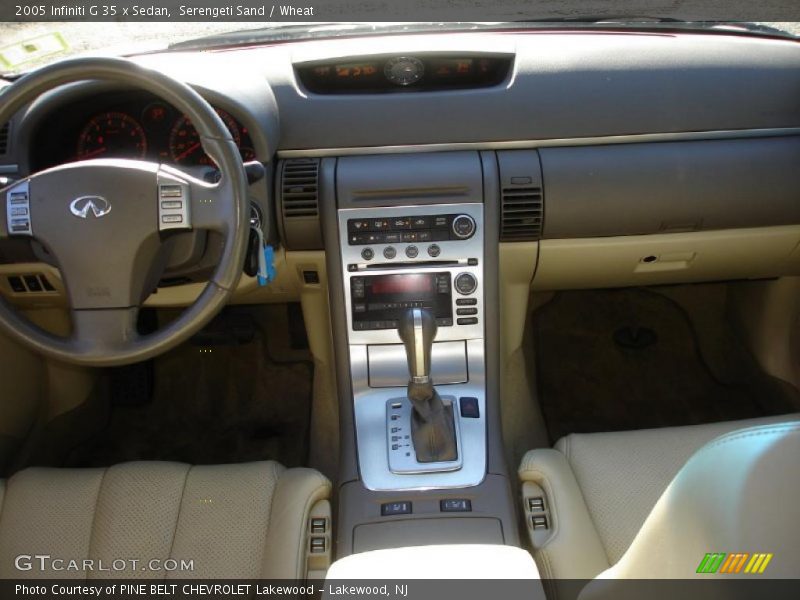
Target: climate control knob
(464, 227)
(466, 283)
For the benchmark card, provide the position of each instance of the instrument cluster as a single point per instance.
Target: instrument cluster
(138, 128)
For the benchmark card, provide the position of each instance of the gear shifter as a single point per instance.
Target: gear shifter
(432, 425)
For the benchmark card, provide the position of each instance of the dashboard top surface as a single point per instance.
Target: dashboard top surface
(560, 86)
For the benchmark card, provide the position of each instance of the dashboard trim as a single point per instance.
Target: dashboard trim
(636, 138)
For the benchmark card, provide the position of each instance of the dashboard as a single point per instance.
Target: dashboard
(135, 126)
(622, 158)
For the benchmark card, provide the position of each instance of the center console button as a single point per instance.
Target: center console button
(455, 505)
(396, 508)
(466, 301)
(367, 253)
(412, 252)
(463, 226)
(389, 252)
(420, 222)
(434, 250)
(401, 223)
(466, 283)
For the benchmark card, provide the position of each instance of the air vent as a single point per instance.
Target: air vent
(4, 139)
(300, 188)
(299, 202)
(521, 214)
(521, 198)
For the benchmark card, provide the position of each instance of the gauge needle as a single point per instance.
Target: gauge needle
(188, 151)
(94, 152)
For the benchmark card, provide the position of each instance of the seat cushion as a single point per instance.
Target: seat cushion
(233, 521)
(620, 476)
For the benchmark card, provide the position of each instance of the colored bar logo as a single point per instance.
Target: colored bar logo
(734, 563)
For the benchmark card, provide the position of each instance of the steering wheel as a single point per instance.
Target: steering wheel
(106, 222)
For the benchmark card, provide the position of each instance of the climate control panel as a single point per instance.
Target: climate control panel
(411, 229)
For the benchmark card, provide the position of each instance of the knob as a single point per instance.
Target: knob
(463, 226)
(466, 284)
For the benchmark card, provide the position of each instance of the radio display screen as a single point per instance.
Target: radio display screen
(402, 284)
(378, 301)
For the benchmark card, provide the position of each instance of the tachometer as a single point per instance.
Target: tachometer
(112, 134)
(184, 141)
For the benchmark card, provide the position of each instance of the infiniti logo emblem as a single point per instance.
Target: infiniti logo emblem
(96, 205)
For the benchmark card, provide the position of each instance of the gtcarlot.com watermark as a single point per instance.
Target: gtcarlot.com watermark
(44, 563)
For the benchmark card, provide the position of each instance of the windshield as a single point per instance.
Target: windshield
(26, 46)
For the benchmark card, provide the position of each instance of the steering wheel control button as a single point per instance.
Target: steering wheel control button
(18, 210)
(466, 284)
(455, 505)
(464, 227)
(173, 203)
(391, 509)
(434, 250)
(412, 252)
(389, 252)
(367, 254)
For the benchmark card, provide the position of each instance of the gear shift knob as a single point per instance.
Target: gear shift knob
(417, 329)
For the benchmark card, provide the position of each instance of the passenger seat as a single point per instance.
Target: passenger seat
(650, 504)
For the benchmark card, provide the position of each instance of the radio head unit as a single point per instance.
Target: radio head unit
(378, 301)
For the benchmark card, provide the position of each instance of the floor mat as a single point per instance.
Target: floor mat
(612, 360)
(233, 401)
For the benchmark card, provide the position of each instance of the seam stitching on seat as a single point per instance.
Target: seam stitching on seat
(178, 516)
(734, 437)
(265, 552)
(94, 516)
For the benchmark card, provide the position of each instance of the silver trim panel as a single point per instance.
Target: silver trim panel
(387, 364)
(400, 448)
(452, 250)
(634, 138)
(371, 432)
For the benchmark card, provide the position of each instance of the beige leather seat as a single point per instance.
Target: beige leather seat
(651, 503)
(233, 521)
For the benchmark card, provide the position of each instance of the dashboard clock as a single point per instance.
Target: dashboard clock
(404, 70)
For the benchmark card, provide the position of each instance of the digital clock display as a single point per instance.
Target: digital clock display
(404, 73)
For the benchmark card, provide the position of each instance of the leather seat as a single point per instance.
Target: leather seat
(233, 521)
(651, 503)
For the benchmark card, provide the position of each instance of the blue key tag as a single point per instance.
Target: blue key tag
(266, 260)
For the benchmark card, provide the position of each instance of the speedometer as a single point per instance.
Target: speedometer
(112, 134)
(184, 141)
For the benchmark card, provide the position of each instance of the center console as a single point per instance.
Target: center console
(395, 259)
(412, 253)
